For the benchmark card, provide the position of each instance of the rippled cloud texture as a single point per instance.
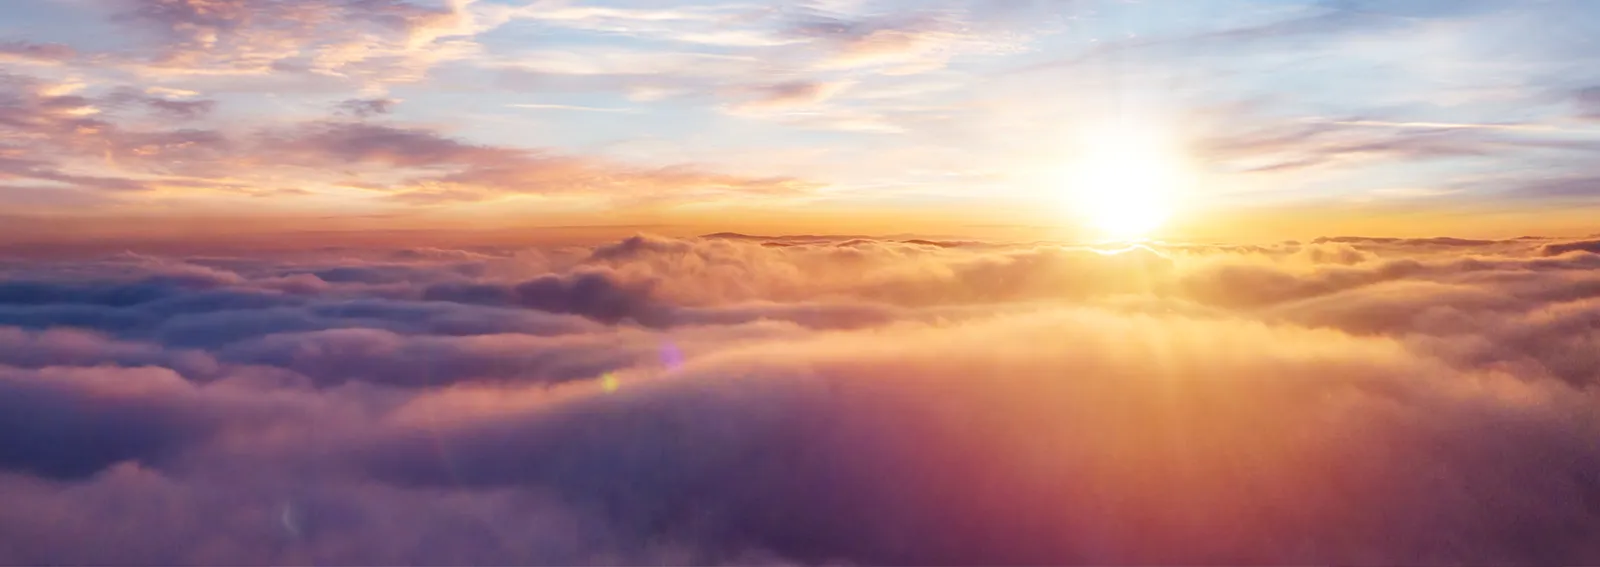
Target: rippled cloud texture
(736, 399)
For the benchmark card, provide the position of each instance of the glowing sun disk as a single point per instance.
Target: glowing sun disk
(1124, 188)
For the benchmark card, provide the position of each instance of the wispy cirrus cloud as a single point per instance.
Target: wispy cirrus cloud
(443, 169)
(1322, 142)
(546, 106)
(78, 142)
(789, 94)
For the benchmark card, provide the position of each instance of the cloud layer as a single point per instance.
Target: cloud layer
(733, 399)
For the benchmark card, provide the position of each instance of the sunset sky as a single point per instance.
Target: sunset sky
(843, 282)
(1266, 118)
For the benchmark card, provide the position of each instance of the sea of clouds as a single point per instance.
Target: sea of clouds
(807, 400)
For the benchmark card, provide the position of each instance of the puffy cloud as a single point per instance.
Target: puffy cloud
(1559, 248)
(1060, 437)
(75, 421)
(806, 399)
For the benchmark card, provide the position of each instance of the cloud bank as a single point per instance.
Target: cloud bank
(802, 400)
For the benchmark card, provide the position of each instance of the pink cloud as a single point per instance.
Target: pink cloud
(92, 143)
(36, 52)
(449, 170)
(380, 40)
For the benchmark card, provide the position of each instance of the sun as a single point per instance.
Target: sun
(1125, 198)
(1125, 185)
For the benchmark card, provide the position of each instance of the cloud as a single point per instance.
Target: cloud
(1559, 248)
(180, 108)
(95, 143)
(170, 92)
(451, 170)
(356, 142)
(807, 399)
(36, 52)
(1588, 102)
(65, 422)
(1286, 29)
(595, 294)
(385, 41)
(795, 65)
(1314, 20)
(362, 108)
(73, 347)
(72, 141)
(720, 26)
(1348, 143)
(905, 43)
(933, 464)
(1573, 188)
(540, 106)
(790, 94)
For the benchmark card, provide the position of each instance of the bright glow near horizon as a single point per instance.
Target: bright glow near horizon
(1126, 183)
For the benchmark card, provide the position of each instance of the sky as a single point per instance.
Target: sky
(979, 282)
(1267, 119)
